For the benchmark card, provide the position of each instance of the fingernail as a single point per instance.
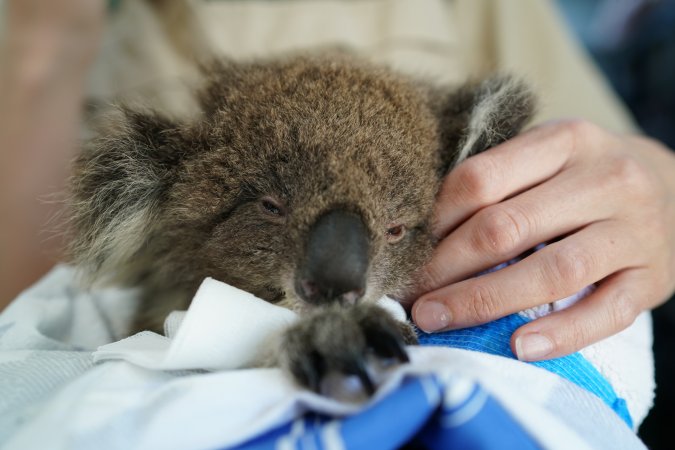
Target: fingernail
(432, 316)
(533, 346)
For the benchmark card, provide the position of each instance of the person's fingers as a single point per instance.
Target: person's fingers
(503, 231)
(557, 271)
(509, 168)
(612, 307)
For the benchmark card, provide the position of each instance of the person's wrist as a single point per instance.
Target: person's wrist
(31, 67)
(39, 54)
(62, 32)
(38, 77)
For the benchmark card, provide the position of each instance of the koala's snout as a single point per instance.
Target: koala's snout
(336, 260)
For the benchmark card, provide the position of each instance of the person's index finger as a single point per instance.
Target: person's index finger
(557, 271)
(499, 173)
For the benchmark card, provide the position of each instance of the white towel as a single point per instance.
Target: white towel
(224, 328)
(46, 338)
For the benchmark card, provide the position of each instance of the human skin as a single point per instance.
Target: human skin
(610, 197)
(44, 59)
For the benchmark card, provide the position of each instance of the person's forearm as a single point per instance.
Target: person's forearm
(38, 132)
(42, 74)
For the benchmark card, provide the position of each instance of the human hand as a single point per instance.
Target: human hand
(610, 197)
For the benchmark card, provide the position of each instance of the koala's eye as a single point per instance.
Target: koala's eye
(395, 233)
(272, 207)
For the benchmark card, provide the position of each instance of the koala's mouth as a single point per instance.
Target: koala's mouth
(295, 303)
(342, 296)
(292, 300)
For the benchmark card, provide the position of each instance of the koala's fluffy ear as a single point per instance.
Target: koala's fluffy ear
(478, 116)
(117, 186)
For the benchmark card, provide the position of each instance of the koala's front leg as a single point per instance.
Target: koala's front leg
(339, 339)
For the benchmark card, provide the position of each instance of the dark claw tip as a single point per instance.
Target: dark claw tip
(401, 353)
(360, 371)
(388, 345)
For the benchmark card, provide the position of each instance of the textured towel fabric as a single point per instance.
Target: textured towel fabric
(436, 414)
(494, 338)
(225, 328)
(619, 370)
(217, 334)
(46, 338)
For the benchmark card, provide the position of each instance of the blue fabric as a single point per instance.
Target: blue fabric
(419, 411)
(494, 338)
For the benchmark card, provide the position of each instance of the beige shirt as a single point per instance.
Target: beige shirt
(150, 53)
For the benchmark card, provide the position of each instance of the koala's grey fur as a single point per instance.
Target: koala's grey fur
(234, 193)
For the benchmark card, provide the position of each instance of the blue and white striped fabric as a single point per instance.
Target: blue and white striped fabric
(454, 413)
(494, 338)
(445, 398)
(437, 413)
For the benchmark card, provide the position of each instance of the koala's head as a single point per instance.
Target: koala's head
(306, 181)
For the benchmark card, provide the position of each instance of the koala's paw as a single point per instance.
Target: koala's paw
(343, 340)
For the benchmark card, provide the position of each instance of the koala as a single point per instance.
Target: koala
(308, 181)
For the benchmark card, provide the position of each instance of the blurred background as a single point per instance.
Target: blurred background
(633, 42)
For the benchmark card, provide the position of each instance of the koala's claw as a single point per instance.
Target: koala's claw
(362, 373)
(390, 347)
(343, 340)
(387, 343)
(309, 371)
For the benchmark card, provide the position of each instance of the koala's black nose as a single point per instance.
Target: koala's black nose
(336, 260)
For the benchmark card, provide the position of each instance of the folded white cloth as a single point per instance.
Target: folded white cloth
(225, 328)
(46, 338)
